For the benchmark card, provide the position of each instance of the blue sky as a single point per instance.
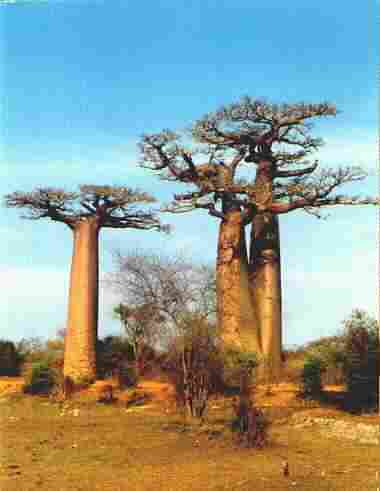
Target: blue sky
(82, 80)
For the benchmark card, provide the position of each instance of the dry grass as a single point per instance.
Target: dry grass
(10, 385)
(81, 445)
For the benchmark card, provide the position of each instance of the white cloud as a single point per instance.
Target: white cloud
(351, 149)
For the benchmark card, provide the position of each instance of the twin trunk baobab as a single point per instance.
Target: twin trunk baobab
(274, 141)
(85, 213)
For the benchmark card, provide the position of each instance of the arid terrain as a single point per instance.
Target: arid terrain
(141, 443)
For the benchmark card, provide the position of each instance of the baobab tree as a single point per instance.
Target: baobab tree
(85, 212)
(215, 184)
(277, 139)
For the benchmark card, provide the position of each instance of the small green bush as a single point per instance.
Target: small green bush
(312, 377)
(361, 367)
(40, 378)
(361, 375)
(235, 363)
(111, 353)
(10, 359)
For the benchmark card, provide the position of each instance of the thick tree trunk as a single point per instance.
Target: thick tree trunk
(81, 338)
(264, 270)
(265, 283)
(237, 319)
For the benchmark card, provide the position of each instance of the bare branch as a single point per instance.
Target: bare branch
(310, 204)
(276, 137)
(169, 288)
(53, 203)
(112, 206)
(161, 152)
(296, 172)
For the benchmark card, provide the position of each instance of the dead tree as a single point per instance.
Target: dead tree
(85, 212)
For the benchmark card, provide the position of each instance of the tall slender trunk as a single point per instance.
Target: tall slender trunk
(265, 272)
(237, 319)
(81, 338)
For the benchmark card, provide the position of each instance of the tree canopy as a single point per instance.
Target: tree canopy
(114, 207)
(276, 137)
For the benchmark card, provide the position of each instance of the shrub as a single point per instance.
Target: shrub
(127, 376)
(10, 359)
(34, 350)
(40, 378)
(331, 351)
(194, 366)
(251, 423)
(292, 369)
(112, 352)
(146, 359)
(359, 326)
(361, 374)
(312, 377)
(105, 394)
(361, 362)
(235, 364)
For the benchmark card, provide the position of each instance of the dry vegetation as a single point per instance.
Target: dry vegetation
(141, 443)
